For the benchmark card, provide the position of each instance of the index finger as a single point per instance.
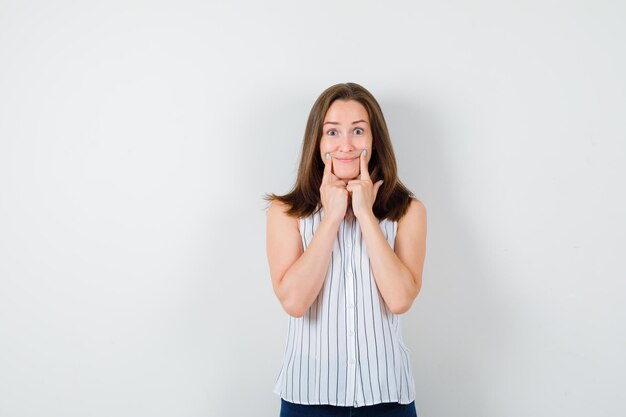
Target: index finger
(365, 175)
(328, 173)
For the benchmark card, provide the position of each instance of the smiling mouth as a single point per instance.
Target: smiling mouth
(345, 159)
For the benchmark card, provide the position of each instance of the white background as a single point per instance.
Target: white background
(138, 137)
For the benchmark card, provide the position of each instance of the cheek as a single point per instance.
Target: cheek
(364, 143)
(325, 146)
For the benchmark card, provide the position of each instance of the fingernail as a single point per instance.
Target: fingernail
(327, 155)
(364, 151)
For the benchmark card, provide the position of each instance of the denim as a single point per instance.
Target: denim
(288, 409)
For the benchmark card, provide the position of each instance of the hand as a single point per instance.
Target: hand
(333, 193)
(363, 191)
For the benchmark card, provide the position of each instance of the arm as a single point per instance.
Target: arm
(297, 275)
(398, 274)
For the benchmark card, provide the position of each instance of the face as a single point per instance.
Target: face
(346, 132)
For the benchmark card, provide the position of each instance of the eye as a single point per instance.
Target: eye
(331, 132)
(358, 131)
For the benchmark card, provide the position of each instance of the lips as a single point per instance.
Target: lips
(345, 159)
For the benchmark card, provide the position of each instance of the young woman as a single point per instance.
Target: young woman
(346, 250)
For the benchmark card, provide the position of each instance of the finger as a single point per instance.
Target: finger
(365, 175)
(354, 185)
(328, 169)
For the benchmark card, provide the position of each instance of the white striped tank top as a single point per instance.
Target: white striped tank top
(347, 349)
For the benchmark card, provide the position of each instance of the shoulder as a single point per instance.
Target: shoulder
(277, 207)
(415, 212)
(414, 219)
(277, 213)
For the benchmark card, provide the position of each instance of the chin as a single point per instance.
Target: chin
(347, 176)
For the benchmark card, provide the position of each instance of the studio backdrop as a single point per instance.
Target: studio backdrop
(137, 139)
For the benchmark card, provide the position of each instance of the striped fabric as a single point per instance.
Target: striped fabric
(347, 349)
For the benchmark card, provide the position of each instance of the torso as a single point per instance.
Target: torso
(347, 350)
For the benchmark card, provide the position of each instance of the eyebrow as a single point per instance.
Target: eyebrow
(336, 123)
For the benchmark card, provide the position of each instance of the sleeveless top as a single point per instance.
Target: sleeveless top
(347, 349)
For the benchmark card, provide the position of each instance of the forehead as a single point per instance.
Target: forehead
(346, 111)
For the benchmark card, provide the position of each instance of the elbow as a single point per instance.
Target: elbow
(401, 308)
(290, 302)
(404, 304)
(294, 311)
(293, 308)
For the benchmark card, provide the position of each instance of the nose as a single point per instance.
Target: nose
(346, 144)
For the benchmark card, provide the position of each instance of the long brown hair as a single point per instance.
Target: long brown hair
(393, 197)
